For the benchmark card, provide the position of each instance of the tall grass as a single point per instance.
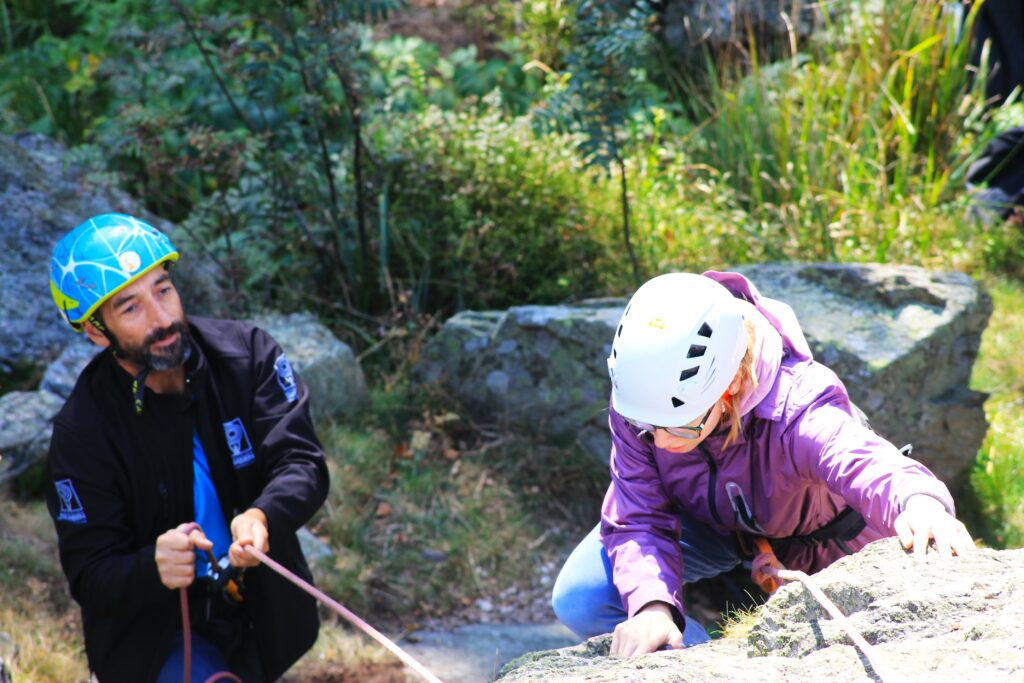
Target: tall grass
(855, 149)
(998, 477)
(35, 609)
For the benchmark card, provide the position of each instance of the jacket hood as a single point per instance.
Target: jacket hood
(778, 334)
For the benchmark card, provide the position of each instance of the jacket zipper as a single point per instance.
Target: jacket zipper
(712, 482)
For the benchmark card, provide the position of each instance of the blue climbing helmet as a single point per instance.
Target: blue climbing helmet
(100, 257)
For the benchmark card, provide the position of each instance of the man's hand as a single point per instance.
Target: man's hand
(248, 528)
(648, 630)
(175, 554)
(925, 517)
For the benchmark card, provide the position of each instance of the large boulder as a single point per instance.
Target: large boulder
(692, 26)
(903, 339)
(328, 366)
(337, 385)
(936, 620)
(25, 426)
(43, 196)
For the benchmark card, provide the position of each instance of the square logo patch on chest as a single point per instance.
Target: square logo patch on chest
(238, 443)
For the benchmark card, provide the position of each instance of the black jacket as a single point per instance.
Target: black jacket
(118, 479)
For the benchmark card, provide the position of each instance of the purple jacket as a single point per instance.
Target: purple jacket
(801, 458)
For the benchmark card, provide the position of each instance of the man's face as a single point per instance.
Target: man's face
(148, 323)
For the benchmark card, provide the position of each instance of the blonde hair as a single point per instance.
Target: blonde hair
(748, 382)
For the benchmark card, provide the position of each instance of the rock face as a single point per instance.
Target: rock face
(25, 427)
(42, 199)
(691, 26)
(937, 620)
(903, 339)
(337, 385)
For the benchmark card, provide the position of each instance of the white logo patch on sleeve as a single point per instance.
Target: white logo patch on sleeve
(286, 378)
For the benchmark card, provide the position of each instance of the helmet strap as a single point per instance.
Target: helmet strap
(95, 321)
(139, 389)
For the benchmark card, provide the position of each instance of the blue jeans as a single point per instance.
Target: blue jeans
(207, 660)
(586, 600)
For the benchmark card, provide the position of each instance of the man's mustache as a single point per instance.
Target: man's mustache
(159, 335)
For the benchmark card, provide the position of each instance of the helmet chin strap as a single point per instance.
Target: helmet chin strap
(139, 389)
(139, 380)
(95, 321)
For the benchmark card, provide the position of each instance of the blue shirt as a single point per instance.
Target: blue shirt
(208, 512)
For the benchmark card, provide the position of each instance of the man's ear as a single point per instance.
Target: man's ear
(95, 336)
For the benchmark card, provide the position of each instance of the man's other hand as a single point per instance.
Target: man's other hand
(175, 554)
(248, 528)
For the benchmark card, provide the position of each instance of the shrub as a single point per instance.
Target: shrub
(485, 212)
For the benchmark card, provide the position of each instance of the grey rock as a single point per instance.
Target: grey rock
(313, 549)
(476, 652)
(691, 26)
(539, 368)
(62, 374)
(903, 339)
(8, 648)
(25, 428)
(937, 620)
(43, 196)
(337, 385)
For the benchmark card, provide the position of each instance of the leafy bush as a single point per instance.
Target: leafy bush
(484, 211)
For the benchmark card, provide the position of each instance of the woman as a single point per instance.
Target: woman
(725, 429)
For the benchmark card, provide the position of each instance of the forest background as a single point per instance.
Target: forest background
(384, 171)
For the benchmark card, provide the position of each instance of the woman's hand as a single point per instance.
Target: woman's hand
(925, 517)
(648, 630)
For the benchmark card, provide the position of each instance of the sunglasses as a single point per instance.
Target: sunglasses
(684, 432)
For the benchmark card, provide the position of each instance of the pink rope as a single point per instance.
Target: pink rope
(186, 630)
(344, 612)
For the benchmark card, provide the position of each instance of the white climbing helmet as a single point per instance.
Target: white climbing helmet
(678, 346)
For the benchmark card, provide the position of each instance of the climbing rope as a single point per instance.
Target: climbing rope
(767, 566)
(344, 612)
(320, 596)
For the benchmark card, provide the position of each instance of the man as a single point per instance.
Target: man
(178, 420)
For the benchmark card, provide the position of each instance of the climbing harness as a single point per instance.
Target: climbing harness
(233, 585)
(766, 570)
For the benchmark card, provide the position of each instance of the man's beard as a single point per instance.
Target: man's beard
(162, 358)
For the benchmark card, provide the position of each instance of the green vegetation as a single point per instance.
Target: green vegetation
(998, 476)
(427, 519)
(385, 182)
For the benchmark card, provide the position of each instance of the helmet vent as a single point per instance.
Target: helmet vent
(676, 402)
(704, 331)
(619, 333)
(696, 351)
(687, 374)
